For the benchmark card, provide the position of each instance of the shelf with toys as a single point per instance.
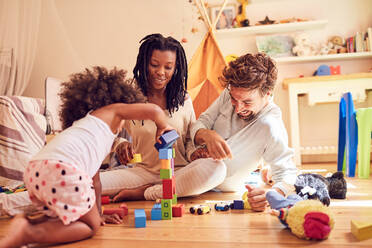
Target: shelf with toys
(272, 28)
(328, 57)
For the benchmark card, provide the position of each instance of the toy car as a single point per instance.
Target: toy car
(222, 206)
(200, 209)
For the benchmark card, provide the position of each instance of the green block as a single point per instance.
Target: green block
(166, 214)
(165, 173)
(166, 204)
(174, 200)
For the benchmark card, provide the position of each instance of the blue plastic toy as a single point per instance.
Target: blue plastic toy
(167, 140)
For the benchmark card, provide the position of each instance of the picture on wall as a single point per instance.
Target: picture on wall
(227, 16)
(275, 45)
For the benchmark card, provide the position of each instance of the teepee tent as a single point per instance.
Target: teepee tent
(206, 67)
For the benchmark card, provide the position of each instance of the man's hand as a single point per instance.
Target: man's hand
(111, 219)
(125, 152)
(201, 152)
(217, 147)
(256, 198)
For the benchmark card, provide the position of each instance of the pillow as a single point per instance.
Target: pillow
(22, 135)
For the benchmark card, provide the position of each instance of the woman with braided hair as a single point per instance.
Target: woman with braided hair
(161, 74)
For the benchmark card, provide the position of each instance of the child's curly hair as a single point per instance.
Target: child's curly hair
(93, 89)
(251, 71)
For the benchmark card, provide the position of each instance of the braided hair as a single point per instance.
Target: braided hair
(176, 88)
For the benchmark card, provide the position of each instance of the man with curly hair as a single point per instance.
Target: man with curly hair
(243, 127)
(62, 178)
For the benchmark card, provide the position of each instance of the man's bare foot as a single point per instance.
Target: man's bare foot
(17, 233)
(131, 194)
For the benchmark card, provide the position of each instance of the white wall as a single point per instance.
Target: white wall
(75, 34)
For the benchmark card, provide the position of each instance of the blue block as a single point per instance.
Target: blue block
(157, 205)
(347, 136)
(165, 153)
(156, 214)
(140, 218)
(323, 70)
(167, 140)
(238, 204)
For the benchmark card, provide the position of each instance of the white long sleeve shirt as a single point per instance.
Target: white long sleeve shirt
(265, 138)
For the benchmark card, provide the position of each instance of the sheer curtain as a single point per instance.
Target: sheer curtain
(19, 28)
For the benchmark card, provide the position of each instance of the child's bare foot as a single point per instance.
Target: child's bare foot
(131, 194)
(17, 233)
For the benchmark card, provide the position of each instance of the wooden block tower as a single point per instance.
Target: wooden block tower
(166, 156)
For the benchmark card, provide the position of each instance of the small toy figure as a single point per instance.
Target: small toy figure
(222, 206)
(200, 209)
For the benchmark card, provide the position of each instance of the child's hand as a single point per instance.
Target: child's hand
(125, 152)
(256, 198)
(112, 219)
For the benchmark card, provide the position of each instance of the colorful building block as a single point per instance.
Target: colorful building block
(167, 140)
(137, 158)
(165, 164)
(166, 209)
(166, 153)
(168, 187)
(361, 230)
(238, 204)
(174, 200)
(156, 214)
(178, 210)
(165, 173)
(140, 218)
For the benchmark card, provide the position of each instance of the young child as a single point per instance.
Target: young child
(59, 177)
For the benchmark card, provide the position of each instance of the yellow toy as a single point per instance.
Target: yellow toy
(136, 159)
(308, 219)
(241, 19)
(361, 230)
(231, 57)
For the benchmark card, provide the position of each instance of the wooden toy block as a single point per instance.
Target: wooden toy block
(125, 207)
(137, 158)
(165, 164)
(165, 173)
(167, 140)
(361, 230)
(166, 153)
(166, 204)
(166, 214)
(118, 211)
(105, 199)
(174, 152)
(174, 185)
(168, 185)
(156, 214)
(178, 210)
(174, 200)
(140, 218)
(238, 204)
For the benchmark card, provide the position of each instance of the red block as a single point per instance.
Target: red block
(118, 211)
(168, 188)
(125, 207)
(178, 210)
(174, 185)
(105, 199)
(335, 70)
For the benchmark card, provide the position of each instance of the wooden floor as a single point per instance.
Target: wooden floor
(235, 228)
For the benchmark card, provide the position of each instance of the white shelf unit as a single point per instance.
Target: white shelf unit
(329, 57)
(272, 28)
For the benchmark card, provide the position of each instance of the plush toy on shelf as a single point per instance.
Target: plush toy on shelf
(307, 219)
(337, 45)
(303, 46)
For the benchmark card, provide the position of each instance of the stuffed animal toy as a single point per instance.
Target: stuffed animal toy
(314, 186)
(337, 45)
(303, 45)
(307, 219)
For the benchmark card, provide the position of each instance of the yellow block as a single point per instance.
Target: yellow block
(136, 158)
(361, 230)
(165, 163)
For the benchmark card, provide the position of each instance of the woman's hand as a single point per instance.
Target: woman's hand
(125, 152)
(256, 198)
